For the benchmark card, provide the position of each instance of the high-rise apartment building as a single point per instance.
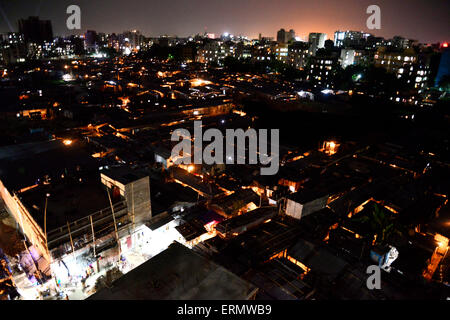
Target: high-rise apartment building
(35, 30)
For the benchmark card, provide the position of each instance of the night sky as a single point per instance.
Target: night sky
(423, 20)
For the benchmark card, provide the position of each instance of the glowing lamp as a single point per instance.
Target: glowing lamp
(67, 77)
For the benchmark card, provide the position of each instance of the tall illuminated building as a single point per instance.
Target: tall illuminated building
(316, 41)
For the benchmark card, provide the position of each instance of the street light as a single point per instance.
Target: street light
(45, 222)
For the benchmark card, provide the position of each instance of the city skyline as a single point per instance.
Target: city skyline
(156, 19)
(224, 151)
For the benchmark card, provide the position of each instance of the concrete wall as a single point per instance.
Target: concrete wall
(298, 210)
(294, 209)
(161, 160)
(314, 206)
(137, 195)
(28, 226)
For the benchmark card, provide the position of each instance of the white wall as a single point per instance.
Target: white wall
(294, 209)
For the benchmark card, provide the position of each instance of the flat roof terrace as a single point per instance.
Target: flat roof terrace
(68, 201)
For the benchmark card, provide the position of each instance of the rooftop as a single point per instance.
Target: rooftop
(247, 218)
(231, 204)
(124, 174)
(68, 200)
(178, 273)
(25, 165)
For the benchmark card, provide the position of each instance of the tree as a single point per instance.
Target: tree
(345, 78)
(383, 225)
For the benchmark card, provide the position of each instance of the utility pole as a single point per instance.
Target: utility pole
(46, 241)
(70, 236)
(93, 244)
(132, 204)
(45, 220)
(114, 219)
